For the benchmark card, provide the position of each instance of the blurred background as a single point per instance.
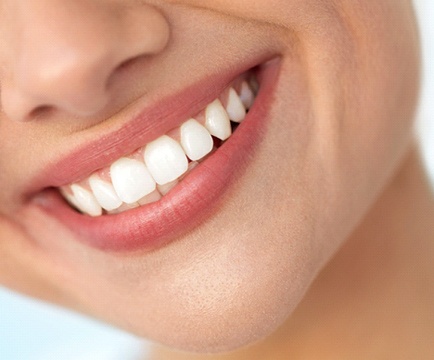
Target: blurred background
(30, 330)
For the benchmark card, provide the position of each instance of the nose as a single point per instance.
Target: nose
(62, 54)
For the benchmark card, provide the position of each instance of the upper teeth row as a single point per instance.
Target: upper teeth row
(150, 172)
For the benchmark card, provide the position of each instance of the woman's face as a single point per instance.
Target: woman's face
(227, 254)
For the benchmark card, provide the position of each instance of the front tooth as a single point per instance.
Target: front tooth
(235, 107)
(195, 140)
(217, 121)
(131, 179)
(246, 95)
(85, 201)
(104, 193)
(165, 159)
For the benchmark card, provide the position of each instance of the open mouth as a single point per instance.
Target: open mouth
(168, 184)
(153, 170)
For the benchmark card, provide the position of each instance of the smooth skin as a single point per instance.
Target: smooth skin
(323, 249)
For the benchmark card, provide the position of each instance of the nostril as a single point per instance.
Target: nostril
(121, 69)
(127, 63)
(41, 111)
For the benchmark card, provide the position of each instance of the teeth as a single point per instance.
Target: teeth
(131, 180)
(140, 180)
(164, 189)
(246, 95)
(124, 207)
(104, 193)
(150, 198)
(85, 201)
(217, 121)
(195, 140)
(235, 107)
(165, 159)
(69, 197)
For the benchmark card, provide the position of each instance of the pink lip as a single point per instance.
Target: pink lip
(190, 202)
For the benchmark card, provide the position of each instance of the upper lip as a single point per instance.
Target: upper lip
(152, 120)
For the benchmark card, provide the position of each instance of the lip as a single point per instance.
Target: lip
(148, 122)
(193, 200)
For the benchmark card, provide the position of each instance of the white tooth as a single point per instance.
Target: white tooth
(195, 139)
(217, 121)
(69, 197)
(85, 201)
(164, 189)
(246, 95)
(235, 108)
(152, 197)
(131, 179)
(165, 159)
(104, 193)
(124, 207)
(191, 166)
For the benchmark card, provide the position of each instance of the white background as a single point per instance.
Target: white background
(33, 331)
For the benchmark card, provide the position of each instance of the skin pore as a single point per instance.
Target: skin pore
(334, 181)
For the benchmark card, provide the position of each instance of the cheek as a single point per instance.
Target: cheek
(381, 89)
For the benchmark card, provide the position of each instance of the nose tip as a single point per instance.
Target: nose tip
(67, 64)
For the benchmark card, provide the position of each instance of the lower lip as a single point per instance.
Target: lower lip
(189, 204)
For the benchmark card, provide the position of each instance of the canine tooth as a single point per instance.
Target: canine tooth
(195, 139)
(246, 95)
(165, 159)
(235, 107)
(217, 121)
(85, 201)
(131, 179)
(104, 193)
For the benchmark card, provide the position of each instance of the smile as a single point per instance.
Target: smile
(177, 171)
(153, 170)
